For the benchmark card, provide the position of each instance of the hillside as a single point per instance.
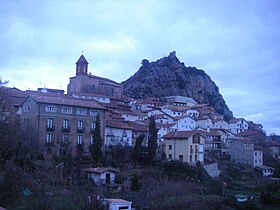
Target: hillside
(168, 76)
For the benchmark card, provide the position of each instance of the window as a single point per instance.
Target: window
(170, 147)
(80, 124)
(49, 138)
(50, 108)
(81, 112)
(92, 139)
(256, 153)
(92, 125)
(181, 157)
(93, 113)
(195, 158)
(50, 123)
(66, 110)
(64, 137)
(169, 156)
(190, 158)
(80, 139)
(65, 123)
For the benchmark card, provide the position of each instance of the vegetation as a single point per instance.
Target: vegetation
(96, 147)
(152, 138)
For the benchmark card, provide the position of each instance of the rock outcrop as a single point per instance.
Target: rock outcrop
(168, 76)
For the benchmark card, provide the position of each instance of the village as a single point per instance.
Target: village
(188, 134)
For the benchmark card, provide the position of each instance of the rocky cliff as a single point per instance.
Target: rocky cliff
(168, 76)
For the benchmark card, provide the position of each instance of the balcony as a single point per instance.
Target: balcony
(80, 144)
(110, 133)
(81, 129)
(50, 128)
(49, 143)
(66, 129)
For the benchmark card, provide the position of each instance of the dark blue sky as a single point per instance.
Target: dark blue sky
(236, 42)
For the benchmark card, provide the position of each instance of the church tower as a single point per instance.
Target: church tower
(82, 66)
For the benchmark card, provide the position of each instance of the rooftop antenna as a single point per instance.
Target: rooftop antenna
(82, 52)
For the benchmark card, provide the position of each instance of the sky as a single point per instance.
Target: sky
(237, 43)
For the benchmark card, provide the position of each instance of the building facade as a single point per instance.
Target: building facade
(57, 121)
(185, 146)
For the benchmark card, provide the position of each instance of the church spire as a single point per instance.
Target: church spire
(82, 66)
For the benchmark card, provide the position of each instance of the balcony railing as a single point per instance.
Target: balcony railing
(66, 129)
(91, 130)
(49, 143)
(50, 128)
(79, 143)
(81, 129)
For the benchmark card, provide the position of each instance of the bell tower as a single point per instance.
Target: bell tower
(82, 66)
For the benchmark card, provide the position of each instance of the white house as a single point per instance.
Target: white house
(102, 175)
(116, 204)
(134, 116)
(184, 123)
(118, 132)
(163, 119)
(192, 113)
(238, 125)
(221, 124)
(174, 111)
(205, 123)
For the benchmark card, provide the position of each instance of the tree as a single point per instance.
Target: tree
(137, 148)
(96, 147)
(152, 138)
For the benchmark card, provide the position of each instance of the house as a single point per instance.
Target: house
(180, 101)
(265, 170)
(185, 146)
(204, 110)
(139, 129)
(221, 124)
(101, 175)
(238, 125)
(52, 120)
(245, 152)
(174, 111)
(257, 136)
(272, 148)
(184, 123)
(163, 119)
(118, 133)
(116, 204)
(134, 116)
(213, 143)
(164, 129)
(205, 123)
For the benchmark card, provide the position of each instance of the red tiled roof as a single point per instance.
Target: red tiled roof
(64, 100)
(249, 133)
(235, 120)
(118, 124)
(181, 134)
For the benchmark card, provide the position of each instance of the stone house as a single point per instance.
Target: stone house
(51, 121)
(185, 146)
(245, 152)
(101, 175)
